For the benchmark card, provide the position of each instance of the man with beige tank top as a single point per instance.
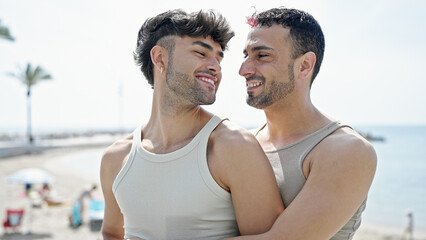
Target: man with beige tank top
(324, 169)
(186, 173)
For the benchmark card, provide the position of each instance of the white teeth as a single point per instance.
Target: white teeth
(250, 85)
(207, 80)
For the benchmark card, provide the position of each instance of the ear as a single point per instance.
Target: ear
(306, 65)
(158, 58)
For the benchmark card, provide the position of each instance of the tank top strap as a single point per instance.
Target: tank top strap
(137, 137)
(210, 126)
(315, 138)
(202, 159)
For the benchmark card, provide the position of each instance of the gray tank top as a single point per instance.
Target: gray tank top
(287, 163)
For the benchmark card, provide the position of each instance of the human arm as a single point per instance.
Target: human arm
(112, 161)
(240, 166)
(339, 173)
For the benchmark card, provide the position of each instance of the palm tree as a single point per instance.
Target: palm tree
(30, 76)
(4, 33)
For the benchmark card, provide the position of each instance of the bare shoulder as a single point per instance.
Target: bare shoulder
(229, 134)
(233, 151)
(115, 155)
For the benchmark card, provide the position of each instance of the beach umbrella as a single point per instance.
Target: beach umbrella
(31, 176)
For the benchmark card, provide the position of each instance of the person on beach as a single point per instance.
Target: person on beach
(408, 231)
(88, 191)
(324, 169)
(186, 173)
(76, 216)
(50, 196)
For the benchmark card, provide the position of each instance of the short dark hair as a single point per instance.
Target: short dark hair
(305, 32)
(178, 23)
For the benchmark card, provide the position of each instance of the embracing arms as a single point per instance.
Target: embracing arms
(239, 165)
(339, 174)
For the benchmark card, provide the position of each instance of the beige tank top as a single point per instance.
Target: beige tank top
(173, 195)
(287, 163)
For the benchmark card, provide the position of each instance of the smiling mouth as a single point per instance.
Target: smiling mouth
(207, 80)
(210, 80)
(252, 85)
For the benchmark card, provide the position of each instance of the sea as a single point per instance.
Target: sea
(399, 185)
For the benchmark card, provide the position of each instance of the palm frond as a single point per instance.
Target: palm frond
(30, 75)
(4, 33)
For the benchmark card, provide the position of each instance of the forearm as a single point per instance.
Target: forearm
(107, 236)
(264, 236)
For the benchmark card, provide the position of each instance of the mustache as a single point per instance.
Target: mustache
(256, 77)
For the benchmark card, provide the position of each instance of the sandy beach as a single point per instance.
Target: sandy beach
(51, 222)
(48, 222)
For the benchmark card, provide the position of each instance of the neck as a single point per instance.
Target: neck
(290, 121)
(172, 124)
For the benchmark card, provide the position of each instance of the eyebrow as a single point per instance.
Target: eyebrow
(258, 48)
(207, 46)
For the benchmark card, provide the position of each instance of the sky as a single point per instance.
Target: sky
(372, 72)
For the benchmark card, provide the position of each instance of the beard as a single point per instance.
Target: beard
(186, 87)
(275, 91)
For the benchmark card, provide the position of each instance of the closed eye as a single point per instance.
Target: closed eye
(260, 55)
(200, 53)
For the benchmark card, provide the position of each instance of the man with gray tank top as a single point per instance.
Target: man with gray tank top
(324, 169)
(186, 173)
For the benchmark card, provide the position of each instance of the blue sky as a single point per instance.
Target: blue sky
(372, 73)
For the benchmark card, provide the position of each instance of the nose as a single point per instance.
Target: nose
(246, 69)
(214, 66)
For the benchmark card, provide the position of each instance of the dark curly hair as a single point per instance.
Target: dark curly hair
(305, 32)
(178, 23)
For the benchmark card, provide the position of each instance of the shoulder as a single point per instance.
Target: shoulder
(230, 145)
(345, 148)
(236, 159)
(229, 134)
(115, 155)
(347, 141)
